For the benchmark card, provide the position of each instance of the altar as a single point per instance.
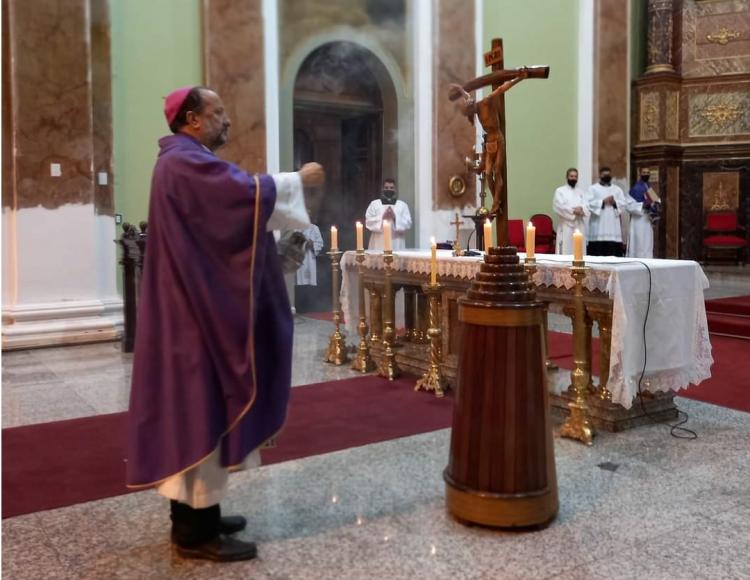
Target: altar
(646, 311)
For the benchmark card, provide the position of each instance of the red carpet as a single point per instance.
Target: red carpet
(739, 305)
(729, 385)
(57, 464)
(730, 316)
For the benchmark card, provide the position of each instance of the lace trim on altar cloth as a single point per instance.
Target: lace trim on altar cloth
(553, 271)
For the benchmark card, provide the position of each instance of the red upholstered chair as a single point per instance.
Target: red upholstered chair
(545, 233)
(516, 235)
(722, 235)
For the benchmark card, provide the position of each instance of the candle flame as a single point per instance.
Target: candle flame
(432, 240)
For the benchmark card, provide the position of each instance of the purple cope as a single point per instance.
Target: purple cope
(212, 363)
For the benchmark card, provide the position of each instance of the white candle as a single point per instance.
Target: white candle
(334, 239)
(577, 246)
(360, 237)
(487, 235)
(387, 236)
(530, 240)
(433, 262)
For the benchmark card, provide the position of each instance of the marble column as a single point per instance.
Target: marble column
(454, 62)
(59, 260)
(611, 89)
(233, 66)
(659, 51)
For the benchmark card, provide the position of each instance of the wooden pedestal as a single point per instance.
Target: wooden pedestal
(501, 470)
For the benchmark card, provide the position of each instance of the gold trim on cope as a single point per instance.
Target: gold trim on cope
(500, 317)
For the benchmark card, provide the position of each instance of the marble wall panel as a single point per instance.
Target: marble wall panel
(721, 190)
(49, 47)
(611, 86)
(101, 100)
(454, 135)
(672, 115)
(718, 112)
(7, 113)
(234, 68)
(650, 116)
(715, 37)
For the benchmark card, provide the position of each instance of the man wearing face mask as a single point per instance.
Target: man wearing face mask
(605, 201)
(388, 208)
(643, 206)
(572, 212)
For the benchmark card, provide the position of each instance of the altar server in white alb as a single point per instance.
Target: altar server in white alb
(388, 208)
(643, 204)
(572, 212)
(605, 201)
(307, 275)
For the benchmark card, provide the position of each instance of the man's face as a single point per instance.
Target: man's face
(572, 176)
(645, 173)
(605, 176)
(211, 125)
(389, 186)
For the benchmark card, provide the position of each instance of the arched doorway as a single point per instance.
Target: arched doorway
(344, 107)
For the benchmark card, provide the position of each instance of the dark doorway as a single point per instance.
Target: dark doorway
(338, 121)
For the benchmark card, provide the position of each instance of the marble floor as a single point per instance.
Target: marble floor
(638, 504)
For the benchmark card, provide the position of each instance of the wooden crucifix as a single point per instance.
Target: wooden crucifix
(491, 114)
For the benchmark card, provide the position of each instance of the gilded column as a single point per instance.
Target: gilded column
(659, 52)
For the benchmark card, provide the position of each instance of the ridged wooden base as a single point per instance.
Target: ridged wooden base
(501, 510)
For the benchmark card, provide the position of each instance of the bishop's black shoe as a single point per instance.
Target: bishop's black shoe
(221, 549)
(232, 524)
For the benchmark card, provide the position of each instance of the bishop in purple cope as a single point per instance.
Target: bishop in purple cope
(212, 363)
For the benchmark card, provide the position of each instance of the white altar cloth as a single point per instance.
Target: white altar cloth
(676, 330)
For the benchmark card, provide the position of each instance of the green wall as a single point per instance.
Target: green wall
(541, 124)
(156, 47)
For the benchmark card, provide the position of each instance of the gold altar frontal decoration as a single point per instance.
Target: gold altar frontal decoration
(412, 355)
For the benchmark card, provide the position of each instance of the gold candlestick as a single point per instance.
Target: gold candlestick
(363, 362)
(388, 367)
(336, 353)
(433, 379)
(578, 425)
(530, 264)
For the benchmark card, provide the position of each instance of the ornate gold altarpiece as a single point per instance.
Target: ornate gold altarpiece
(615, 298)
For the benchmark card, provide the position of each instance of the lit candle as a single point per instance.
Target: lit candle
(530, 240)
(433, 262)
(577, 246)
(487, 235)
(334, 239)
(360, 237)
(387, 236)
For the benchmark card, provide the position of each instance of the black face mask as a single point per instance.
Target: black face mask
(572, 182)
(645, 178)
(606, 179)
(388, 196)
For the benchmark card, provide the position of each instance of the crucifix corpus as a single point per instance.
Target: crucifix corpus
(491, 114)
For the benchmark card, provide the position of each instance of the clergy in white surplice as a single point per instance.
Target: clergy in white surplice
(606, 202)
(388, 208)
(642, 206)
(572, 212)
(307, 275)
